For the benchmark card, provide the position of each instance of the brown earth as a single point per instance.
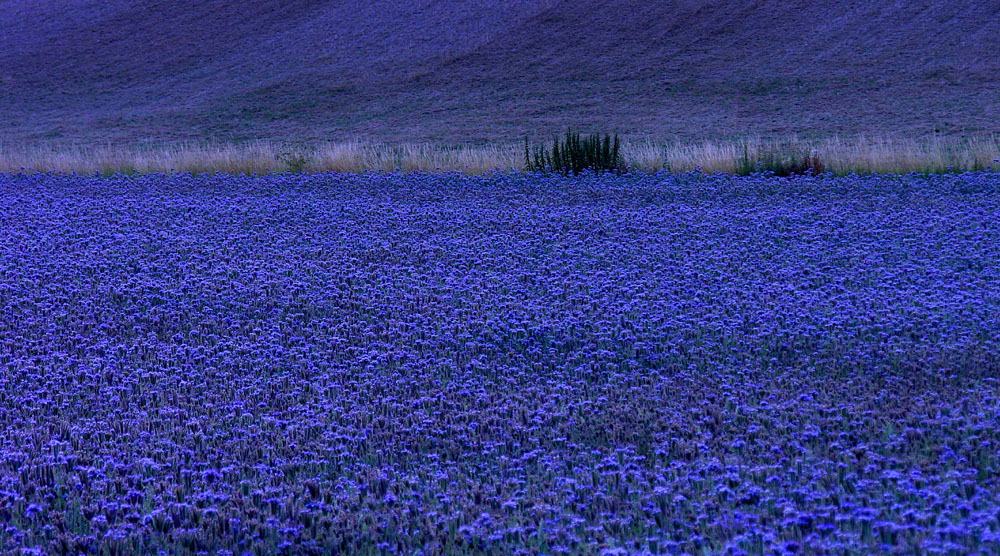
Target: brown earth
(473, 71)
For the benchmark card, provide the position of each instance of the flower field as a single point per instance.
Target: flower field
(501, 364)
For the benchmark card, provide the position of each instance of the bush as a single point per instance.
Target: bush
(772, 162)
(574, 155)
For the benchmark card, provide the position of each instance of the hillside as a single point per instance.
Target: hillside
(463, 71)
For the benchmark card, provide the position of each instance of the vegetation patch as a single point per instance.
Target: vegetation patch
(574, 155)
(784, 164)
(858, 155)
(294, 158)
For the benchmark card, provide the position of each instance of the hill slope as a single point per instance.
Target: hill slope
(471, 70)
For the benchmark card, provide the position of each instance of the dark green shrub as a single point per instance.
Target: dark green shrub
(575, 154)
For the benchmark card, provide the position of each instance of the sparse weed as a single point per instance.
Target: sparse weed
(294, 158)
(774, 162)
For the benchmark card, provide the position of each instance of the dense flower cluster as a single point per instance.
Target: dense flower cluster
(506, 364)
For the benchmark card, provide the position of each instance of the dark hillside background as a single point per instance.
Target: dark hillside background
(467, 71)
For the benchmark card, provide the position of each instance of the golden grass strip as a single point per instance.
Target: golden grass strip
(861, 154)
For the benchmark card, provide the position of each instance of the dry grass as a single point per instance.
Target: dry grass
(857, 155)
(259, 157)
(361, 157)
(860, 155)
